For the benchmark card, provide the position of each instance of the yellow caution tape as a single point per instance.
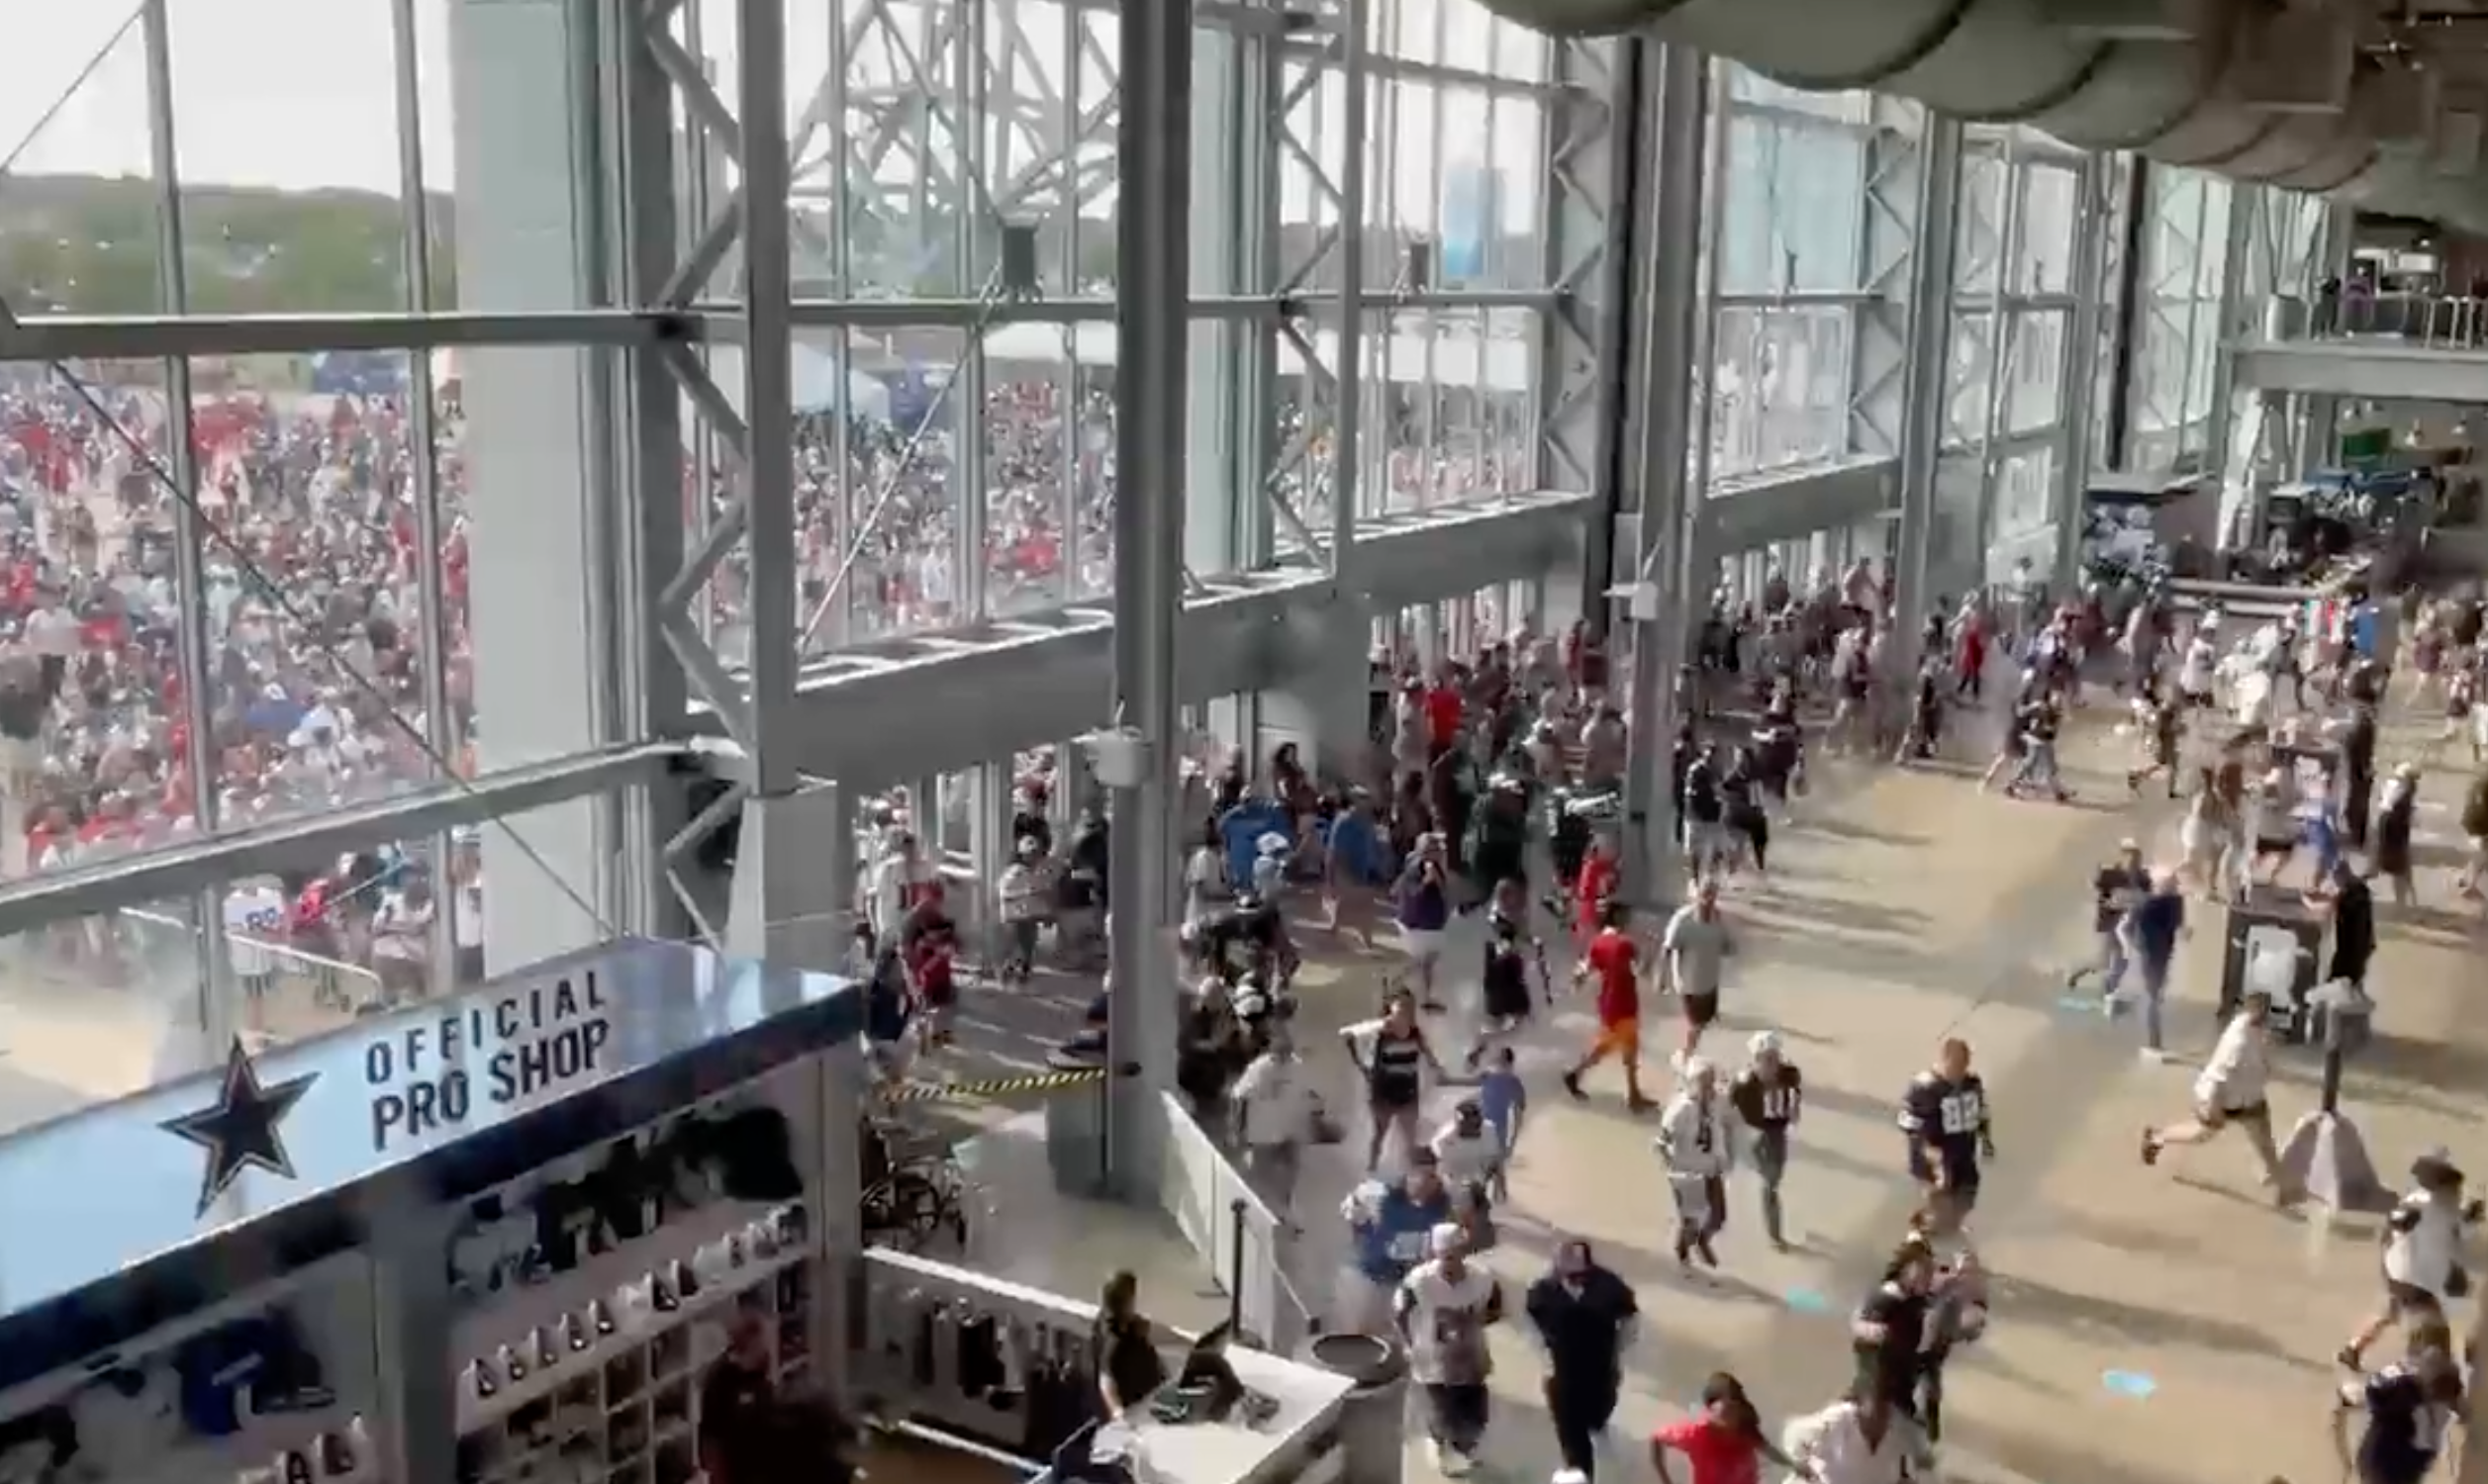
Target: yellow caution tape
(1035, 1082)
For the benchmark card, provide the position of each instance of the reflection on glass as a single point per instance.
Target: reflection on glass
(2033, 393)
(1969, 379)
(313, 578)
(1453, 418)
(120, 1010)
(2023, 491)
(1779, 388)
(2051, 218)
(79, 223)
(1978, 229)
(1792, 206)
(277, 217)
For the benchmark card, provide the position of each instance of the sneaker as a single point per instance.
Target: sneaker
(1571, 1084)
(2150, 1147)
(2153, 1054)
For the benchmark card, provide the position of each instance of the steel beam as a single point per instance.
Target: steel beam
(1153, 153)
(1755, 512)
(1925, 381)
(319, 839)
(138, 336)
(1665, 333)
(2379, 371)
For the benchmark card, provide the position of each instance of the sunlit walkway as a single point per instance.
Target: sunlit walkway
(1913, 907)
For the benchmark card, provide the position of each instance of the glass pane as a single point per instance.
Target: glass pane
(79, 204)
(1780, 397)
(2023, 491)
(1748, 86)
(98, 716)
(1302, 474)
(2051, 218)
(1483, 213)
(278, 217)
(2033, 393)
(1978, 229)
(1457, 417)
(1972, 369)
(317, 641)
(106, 1006)
(1792, 206)
(1048, 442)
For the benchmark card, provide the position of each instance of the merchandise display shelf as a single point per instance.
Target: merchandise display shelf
(627, 1411)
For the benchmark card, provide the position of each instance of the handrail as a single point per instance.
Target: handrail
(2451, 321)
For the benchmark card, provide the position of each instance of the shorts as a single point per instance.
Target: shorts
(1622, 1038)
(1700, 1009)
(1422, 945)
(2213, 1116)
(2407, 1302)
(1700, 1200)
(1704, 837)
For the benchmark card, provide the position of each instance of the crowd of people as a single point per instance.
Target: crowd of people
(315, 652)
(1517, 719)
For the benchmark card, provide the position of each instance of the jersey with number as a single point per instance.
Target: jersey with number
(1767, 1104)
(1947, 1118)
(1692, 1138)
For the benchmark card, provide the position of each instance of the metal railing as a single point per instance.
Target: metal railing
(307, 992)
(2435, 322)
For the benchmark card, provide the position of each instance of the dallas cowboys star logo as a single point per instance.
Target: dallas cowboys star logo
(239, 1132)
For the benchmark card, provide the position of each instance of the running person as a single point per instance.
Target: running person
(1945, 1113)
(1393, 1066)
(1615, 957)
(1769, 1095)
(1693, 953)
(1693, 1142)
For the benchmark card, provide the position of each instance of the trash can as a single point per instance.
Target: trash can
(1075, 1140)
(1373, 1421)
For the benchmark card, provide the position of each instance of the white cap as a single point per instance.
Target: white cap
(1763, 1044)
(1448, 1237)
(1694, 1069)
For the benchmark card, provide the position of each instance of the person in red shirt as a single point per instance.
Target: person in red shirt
(1443, 709)
(1723, 1443)
(1594, 887)
(1615, 957)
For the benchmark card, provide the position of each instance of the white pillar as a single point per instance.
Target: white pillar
(526, 164)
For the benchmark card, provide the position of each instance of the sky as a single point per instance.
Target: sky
(300, 94)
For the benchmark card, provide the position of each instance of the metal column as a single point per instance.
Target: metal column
(1664, 343)
(1153, 153)
(1924, 382)
(2080, 378)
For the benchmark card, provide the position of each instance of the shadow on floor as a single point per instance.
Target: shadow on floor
(1848, 832)
(2147, 1329)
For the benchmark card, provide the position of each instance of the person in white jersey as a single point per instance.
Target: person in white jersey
(255, 919)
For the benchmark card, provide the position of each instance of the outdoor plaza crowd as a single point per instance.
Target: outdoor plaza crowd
(316, 656)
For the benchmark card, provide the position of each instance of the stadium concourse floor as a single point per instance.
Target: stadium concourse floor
(2151, 1327)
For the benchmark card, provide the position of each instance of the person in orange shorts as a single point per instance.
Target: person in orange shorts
(1615, 959)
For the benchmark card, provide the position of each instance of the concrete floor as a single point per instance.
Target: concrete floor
(1912, 906)
(1908, 906)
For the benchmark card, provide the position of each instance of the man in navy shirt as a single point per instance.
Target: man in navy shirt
(2410, 1407)
(2153, 928)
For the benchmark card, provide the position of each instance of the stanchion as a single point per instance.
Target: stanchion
(2326, 1155)
(1235, 1270)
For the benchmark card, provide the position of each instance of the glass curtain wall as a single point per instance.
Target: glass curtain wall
(252, 566)
(2013, 310)
(1420, 188)
(2184, 268)
(1788, 213)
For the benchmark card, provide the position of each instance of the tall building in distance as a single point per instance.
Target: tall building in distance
(1473, 217)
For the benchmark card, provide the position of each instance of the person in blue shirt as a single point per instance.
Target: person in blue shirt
(1390, 1225)
(1505, 1102)
(2152, 930)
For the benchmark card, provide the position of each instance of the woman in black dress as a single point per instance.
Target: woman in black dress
(2391, 858)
